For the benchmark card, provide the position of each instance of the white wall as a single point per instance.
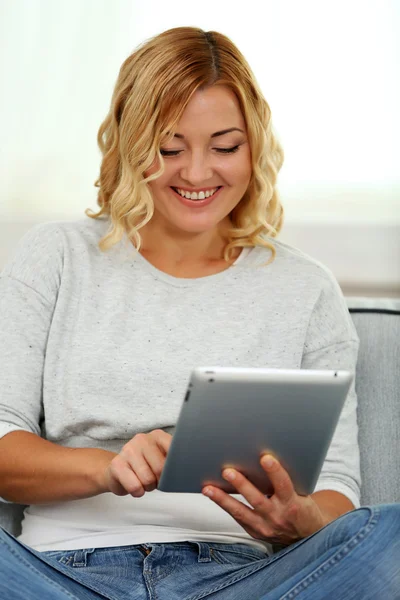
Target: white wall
(328, 70)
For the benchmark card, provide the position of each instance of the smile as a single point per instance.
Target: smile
(202, 195)
(197, 200)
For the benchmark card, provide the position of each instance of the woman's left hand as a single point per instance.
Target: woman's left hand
(283, 518)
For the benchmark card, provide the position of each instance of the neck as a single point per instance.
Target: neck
(179, 247)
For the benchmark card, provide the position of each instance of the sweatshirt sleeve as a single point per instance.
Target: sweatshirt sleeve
(28, 291)
(332, 343)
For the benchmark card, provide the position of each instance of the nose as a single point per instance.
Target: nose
(197, 169)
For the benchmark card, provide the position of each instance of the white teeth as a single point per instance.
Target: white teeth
(194, 196)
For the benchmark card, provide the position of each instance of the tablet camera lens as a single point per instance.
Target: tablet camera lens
(211, 380)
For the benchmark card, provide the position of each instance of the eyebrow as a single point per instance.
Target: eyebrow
(213, 135)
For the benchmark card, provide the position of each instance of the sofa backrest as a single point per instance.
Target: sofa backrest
(378, 388)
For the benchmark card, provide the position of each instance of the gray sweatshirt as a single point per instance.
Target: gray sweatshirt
(96, 347)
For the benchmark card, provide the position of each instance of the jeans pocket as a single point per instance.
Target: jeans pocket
(70, 558)
(232, 555)
(64, 557)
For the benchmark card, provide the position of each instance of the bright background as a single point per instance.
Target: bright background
(329, 71)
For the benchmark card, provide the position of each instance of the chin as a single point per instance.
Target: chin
(197, 228)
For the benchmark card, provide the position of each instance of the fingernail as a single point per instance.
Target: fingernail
(208, 492)
(229, 474)
(268, 460)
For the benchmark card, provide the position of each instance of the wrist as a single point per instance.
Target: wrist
(97, 472)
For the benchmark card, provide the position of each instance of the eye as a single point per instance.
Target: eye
(170, 152)
(228, 150)
(221, 150)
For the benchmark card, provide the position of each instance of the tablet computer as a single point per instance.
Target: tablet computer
(231, 416)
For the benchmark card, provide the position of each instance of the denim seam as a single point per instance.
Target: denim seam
(31, 567)
(251, 555)
(154, 579)
(218, 557)
(72, 573)
(165, 574)
(335, 559)
(149, 583)
(246, 571)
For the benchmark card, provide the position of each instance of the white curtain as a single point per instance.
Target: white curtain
(59, 62)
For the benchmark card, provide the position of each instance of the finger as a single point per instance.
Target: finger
(154, 448)
(162, 439)
(155, 459)
(143, 471)
(244, 515)
(279, 478)
(123, 476)
(145, 458)
(254, 497)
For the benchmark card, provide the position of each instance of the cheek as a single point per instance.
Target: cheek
(241, 175)
(158, 187)
(163, 180)
(247, 167)
(240, 170)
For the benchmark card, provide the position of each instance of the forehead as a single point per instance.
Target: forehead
(213, 105)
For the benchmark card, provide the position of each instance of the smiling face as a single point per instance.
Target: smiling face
(203, 157)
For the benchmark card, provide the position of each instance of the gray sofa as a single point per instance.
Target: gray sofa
(378, 388)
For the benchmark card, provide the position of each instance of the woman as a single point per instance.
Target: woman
(104, 318)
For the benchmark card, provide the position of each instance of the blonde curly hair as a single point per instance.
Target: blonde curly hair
(154, 86)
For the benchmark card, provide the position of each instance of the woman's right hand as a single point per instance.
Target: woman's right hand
(137, 468)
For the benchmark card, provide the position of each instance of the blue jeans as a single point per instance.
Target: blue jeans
(357, 557)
